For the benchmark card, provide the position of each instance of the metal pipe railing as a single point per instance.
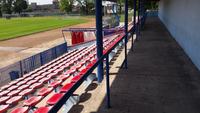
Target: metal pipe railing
(66, 96)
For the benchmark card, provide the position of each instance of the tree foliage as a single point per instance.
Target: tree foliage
(151, 5)
(0, 9)
(9, 6)
(6, 6)
(86, 6)
(66, 5)
(19, 6)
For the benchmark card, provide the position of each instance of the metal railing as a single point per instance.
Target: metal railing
(70, 92)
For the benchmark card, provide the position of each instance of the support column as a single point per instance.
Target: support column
(139, 16)
(134, 22)
(107, 82)
(134, 15)
(99, 38)
(126, 33)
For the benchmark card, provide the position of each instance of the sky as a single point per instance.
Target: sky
(41, 1)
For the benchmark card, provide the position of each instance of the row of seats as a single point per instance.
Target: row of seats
(31, 87)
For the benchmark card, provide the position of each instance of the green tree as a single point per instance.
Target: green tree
(19, 6)
(130, 4)
(66, 5)
(120, 2)
(151, 5)
(6, 6)
(0, 8)
(86, 5)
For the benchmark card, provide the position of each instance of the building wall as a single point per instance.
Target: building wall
(182, 19)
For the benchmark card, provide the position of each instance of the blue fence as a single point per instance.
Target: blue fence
(40, 59)
(31, 63)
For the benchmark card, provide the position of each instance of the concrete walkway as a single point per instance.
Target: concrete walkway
(160, 78)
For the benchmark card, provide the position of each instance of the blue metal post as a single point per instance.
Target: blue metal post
(108, 81)
(21, 68)
(126, 32)
(41, 59)
(134, 15)
(138, 17)
(99, 39)
(134, 21)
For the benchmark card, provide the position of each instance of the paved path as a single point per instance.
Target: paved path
(160, 78)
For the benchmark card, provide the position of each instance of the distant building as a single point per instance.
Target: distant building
(54, 7)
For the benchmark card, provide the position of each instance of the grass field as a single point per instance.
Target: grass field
(16, 27)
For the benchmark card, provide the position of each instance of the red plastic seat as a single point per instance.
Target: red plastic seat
(16, 81)
(4, 99)
(36, 85)
(26, 92)
(63, 77)
(66, 87)
(31, 102)
(78, 66)
(76, 78)
(38, 69)
(20, 110)
(52, 75)
(39, 77)
(55, 67)
(45, 73)
(87, 59)
(73, 69)
(46, 69)
(23, 87)
(44, 91)
(91, 55)
(3, 108)
(28, 74)
(14, 93)
(89, 65)
(82, 63)
(72, 61)
(13, 87)
(4, 92)
(35, 75)
(55, 84)
(94, 61)
(21, 83)
(29, 78)
(14, 100)
(62, 68)
(42, 110)
(41, 71)
(70, 72)
(5, 87)
(54, 99)
(59, 71)
(44, 80)
(61, 64)
(51, 70)
(31, 82)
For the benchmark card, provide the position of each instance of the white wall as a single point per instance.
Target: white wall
(182, 19)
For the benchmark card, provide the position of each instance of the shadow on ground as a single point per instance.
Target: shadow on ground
(160, 77)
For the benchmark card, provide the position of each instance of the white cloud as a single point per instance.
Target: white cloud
(41, 1)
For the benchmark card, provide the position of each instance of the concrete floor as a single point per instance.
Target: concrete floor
(160, 79)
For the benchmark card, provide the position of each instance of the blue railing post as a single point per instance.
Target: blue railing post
(135, 16)
(108, 81)
(126, 33)
(21, 68)
(41, 59)
(99, 40)
(138, 17)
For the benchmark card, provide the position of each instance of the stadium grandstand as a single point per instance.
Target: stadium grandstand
(156, 74)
